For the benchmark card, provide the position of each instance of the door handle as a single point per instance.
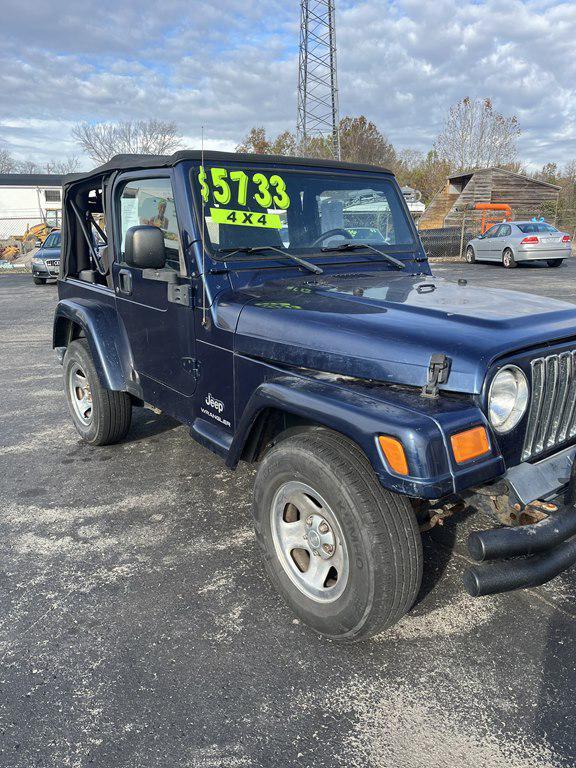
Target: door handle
(125, 281)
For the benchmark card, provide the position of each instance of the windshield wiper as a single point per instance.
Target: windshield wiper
(259, 248)
(355, 246)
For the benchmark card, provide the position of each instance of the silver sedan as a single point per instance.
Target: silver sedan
(515, 241)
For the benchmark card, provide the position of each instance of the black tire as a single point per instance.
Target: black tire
(470, 255)
(554, 262)
(508, 259)
(111, 411)
(39, 280)
(379, 528)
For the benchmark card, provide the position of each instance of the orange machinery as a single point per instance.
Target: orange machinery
(487, 219)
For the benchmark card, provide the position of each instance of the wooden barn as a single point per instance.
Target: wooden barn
(527, 197)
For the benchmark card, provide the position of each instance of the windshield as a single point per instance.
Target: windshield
(298, 211)
(53, 240)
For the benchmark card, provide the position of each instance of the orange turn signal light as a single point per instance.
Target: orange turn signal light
(393, 450)
(470, 444)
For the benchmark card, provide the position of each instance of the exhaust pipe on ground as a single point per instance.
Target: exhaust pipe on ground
(505, 576)
(501, 543)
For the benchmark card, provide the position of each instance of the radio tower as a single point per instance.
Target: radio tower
(317, 81)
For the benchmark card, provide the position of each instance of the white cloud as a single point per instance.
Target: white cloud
(231, 65)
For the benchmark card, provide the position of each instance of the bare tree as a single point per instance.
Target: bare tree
(101, 141)
(27, 166)
(570, 172)
(7, 162)
(62, 167)
(476, 136)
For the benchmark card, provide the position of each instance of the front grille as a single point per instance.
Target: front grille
(552, 415)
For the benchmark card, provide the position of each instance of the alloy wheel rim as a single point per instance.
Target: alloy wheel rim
(309, 542)
(80, 394)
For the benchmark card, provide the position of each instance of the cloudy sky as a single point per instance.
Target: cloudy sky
(233, 64)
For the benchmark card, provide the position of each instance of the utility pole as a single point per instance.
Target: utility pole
(317, 76)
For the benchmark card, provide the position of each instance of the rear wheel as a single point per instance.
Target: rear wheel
(343, 552)
(470, 255)
(39, 280)
(101, 416)
(508, 259)
(554, 262)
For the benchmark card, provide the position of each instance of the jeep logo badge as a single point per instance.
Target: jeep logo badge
(217, 405)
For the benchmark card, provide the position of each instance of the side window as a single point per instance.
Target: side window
(151, 201)
(505, 230)
(492, 232)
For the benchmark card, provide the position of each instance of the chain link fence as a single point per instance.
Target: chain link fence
(20, 235)
(450, 242)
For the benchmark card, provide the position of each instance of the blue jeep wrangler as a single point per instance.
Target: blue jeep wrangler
(284, 310)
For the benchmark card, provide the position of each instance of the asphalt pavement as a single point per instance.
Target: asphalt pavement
(138, 629)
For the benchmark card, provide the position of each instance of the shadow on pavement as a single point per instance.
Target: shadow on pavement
(554, 717)
(146, 424)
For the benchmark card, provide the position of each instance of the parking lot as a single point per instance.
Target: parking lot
(137, 628)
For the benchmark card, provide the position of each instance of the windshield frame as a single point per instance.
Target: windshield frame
(316, 256)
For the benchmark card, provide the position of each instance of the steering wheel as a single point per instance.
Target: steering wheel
(332, 233)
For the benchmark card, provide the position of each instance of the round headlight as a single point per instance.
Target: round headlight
(508, 398)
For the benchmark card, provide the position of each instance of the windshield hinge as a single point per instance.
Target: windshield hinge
(438, 372)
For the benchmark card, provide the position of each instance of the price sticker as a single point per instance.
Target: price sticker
(267, 191)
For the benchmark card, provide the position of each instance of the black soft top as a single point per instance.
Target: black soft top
(142, 162)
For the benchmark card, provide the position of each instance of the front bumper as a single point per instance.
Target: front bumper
(528, 555)
(541, 479)
(46, 272)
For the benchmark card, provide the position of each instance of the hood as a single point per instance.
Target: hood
(48, 253)
(384, 326)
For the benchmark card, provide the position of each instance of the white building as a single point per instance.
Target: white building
(27, 199)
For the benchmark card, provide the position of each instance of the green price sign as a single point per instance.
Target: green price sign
(245, 218)
(232, 187)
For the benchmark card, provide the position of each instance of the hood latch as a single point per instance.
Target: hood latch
(438, 372)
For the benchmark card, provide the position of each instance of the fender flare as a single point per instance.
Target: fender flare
(361, 418)
(105, 335)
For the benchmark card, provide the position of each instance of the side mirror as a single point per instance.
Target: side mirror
(144, 247)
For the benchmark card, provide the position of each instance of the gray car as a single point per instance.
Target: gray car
(515, 241)
(46, 262)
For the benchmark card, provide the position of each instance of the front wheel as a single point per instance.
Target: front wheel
(39, 280)
(101, 416)
(343, 552)
(470, 255)
(508, 259)
(554, 262)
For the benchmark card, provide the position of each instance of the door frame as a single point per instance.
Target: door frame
(184, 409)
